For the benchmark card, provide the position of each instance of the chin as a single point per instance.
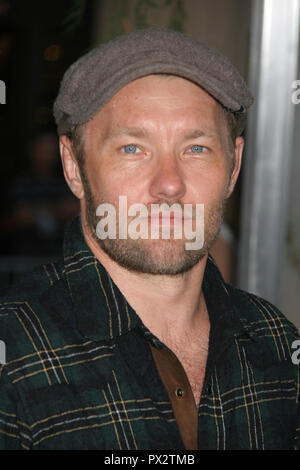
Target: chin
(157, 257)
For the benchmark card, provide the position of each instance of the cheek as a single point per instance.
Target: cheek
(211, 187)
(107, 184)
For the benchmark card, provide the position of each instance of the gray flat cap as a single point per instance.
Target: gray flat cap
(93, 79)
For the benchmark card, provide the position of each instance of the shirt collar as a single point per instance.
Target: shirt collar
(102, 312)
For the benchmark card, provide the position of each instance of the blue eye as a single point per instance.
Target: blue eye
(197, 149)
(130, 148)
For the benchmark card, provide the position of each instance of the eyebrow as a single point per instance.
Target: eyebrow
(193, 134)
(131, 131)
(141, 132)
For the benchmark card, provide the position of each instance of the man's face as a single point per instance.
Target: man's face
(159, 140)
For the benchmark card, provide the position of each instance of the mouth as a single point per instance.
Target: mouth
(168, 218)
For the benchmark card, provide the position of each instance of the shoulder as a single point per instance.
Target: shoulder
(266, 323)
(259, 310)
(31, 311)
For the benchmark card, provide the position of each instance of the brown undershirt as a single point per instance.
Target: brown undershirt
(178, 387)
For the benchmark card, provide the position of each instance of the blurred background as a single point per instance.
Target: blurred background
(259, 245)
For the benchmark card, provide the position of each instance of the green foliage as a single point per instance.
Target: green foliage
(177, 18)
(75, 16)
(117, 20)
(119, 17)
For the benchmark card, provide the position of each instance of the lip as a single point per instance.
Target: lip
(168, 218)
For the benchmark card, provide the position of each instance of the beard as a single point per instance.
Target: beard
(153, 256)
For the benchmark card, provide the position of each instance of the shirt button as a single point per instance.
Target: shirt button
(179, 392)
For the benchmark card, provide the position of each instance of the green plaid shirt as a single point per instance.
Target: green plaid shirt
(79, 373)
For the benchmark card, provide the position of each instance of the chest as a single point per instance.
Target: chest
(194, 364)
(192, 355)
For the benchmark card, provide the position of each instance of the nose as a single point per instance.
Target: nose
(168, 180)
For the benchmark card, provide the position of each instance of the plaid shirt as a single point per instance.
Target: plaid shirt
(79, 372)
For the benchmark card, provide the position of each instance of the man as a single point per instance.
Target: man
(133, 340)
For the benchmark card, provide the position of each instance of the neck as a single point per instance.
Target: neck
(164, 303)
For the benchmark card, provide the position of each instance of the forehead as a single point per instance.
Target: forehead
(168, 88)
(159, 100)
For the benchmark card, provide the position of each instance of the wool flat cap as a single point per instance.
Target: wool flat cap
(97, 76)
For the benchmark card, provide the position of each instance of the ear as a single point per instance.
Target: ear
(238, 150)
(70, 167)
